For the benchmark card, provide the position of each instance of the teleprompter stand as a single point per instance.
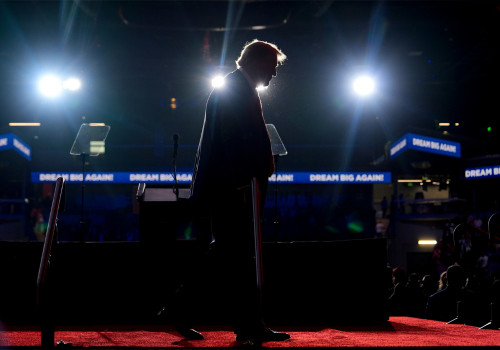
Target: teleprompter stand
(88, 142)
(278, 150)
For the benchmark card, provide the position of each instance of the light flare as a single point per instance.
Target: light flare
(363, 85)
(50, 86)
(217, 82)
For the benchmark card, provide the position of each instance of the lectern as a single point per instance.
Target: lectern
(88, 142)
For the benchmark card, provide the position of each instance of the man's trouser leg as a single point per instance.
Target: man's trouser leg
(232, 228)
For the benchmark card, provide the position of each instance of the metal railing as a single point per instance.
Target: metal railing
(44, 293)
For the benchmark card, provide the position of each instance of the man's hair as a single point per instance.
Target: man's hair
(399, 275)
(257, 50)
(456, 277)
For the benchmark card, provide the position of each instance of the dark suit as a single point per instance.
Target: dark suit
(442, 306)
(234, 147)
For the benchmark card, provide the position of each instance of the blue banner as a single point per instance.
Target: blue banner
(482, 172)
(425, 144)
(185, 177)
(398, 147)
(115, 177)
(11, 141)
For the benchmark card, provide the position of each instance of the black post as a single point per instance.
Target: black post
(175, 180)
(276, 222)
(48, 335)
(82, 223)
(46, 303)
(176, 146)
(24, 206)
(45, 284)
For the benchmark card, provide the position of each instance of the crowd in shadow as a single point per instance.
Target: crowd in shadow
(437, 298)
(473, 250)
(466, 268)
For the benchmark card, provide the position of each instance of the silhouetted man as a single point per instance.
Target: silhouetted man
(383, 205)
(442, 306)
(234, 147)
(398, 301)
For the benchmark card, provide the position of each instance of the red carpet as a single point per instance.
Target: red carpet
(398, 332)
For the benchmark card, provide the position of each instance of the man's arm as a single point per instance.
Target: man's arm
(237, 138)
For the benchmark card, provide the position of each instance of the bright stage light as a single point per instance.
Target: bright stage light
(363, 86)
(72, 84)
(427, 242)
(50, 86)
(217, 82)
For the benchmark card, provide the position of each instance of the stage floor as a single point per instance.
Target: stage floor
(397, 332)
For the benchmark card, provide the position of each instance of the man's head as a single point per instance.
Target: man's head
(429, 285)
(399, 275)
(456, 277)
(260, 59)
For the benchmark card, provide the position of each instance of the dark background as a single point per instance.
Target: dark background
(432, 61)
(306, 283)
(131, 71)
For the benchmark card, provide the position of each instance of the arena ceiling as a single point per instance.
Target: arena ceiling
(433, 62)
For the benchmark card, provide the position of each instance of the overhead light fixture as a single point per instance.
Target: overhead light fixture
(427, 242)
(50, 86)
(456, 124)
(24, 124)
(97, 124)
(72, 84)
(363, 86)
(444, 124)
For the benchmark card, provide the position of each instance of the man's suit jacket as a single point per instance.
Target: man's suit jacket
(234, 144)
(442, 306)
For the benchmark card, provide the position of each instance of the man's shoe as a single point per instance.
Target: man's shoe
(265, 334)
(188, 333)
(248, 345)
